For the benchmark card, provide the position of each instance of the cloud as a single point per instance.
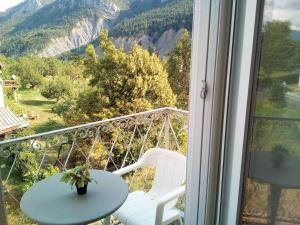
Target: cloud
(287, 4)
(291, 15)
(284, 10)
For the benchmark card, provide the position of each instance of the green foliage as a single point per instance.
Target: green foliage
(8, 65)
(78, 176)
(72, 70)
(48, 66)
(278, 48)
(28, 72)
(279, 154)
(122, 83)
(14, 106)
(174, 14)
(28, 167)
(277, 94)
(48, 126)
(67, 108)
(24, 132)
(178, 67)
(57, 88)
(8, 93)
(26, 43)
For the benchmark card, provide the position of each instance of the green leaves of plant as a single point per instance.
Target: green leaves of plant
(78, 176)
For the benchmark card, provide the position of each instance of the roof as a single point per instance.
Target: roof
(9, 121)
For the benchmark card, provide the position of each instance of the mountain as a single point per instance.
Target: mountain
(295, 35)
(53, 27)
(167, 15)
(33, 27)
(24, 8)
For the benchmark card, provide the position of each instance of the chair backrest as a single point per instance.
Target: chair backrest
(170, 171)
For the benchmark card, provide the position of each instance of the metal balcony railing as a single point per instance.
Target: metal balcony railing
(108, 145)
(267, 132)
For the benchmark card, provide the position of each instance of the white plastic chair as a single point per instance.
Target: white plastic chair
(156, 207)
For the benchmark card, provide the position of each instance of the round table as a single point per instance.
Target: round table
(52, 202)
(286, 176)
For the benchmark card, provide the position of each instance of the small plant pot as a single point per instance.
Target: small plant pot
(276, 164)
(81, 190)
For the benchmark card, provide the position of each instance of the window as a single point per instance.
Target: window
(271, 187)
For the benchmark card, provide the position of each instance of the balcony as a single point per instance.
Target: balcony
(108, 145)
(118, 142)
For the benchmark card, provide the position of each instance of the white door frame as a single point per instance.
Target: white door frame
(210, 52)
(245, 61)
(224, 42)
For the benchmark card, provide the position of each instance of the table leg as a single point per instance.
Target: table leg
(106, 221)
(3, 217)
(275, 192)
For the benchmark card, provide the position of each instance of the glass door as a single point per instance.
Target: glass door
(271, 187)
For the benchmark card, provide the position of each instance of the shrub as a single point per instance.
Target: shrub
(277, 94)
(27, 166)
(56, 88)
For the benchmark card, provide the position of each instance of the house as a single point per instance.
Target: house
(9, 121)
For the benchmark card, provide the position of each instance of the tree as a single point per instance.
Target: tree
(26, 69)
(178, 67)
(72, 70)
(57, 88)
(277, 93)
(278, 48)
(47, 66)
(8, 64)
(123, 83)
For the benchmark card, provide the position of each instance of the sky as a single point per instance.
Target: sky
(285, 10)
(5, 4)
(276, 10)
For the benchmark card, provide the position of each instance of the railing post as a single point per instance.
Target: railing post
(3, 217)
(167, 132)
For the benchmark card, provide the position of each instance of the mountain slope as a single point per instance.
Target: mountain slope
(295, 35)
(53, 27)
(31, 32)
(23, 8)
(173, 14)
(84, 32)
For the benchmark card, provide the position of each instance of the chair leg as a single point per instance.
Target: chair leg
(178, 222)
(106, 221)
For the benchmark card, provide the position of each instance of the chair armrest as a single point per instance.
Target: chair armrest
(127, 169)
(164, 200)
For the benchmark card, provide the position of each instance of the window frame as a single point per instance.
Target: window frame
(210, 54)
(245, 53)
(224, 54)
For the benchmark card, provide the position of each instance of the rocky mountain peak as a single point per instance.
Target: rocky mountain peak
(104, 6)
(27, 6)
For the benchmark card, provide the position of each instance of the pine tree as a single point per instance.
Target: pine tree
(123, 83)
(179, 63)
(278, 48)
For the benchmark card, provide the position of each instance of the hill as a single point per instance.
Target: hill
(53, 27)
(296, 35)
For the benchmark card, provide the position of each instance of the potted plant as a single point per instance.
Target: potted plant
(279, 154)
(78, 176)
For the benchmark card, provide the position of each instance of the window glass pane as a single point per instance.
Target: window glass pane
(272, 187)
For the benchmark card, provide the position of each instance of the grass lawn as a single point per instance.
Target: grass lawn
(282, 73)
(268, 133)
(267, 108)
(35, 104)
